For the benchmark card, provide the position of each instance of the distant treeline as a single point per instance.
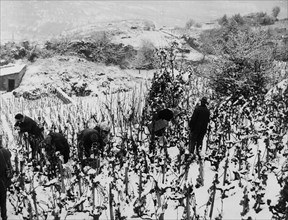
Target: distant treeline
(100, 50)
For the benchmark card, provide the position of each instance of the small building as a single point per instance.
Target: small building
(11, 76)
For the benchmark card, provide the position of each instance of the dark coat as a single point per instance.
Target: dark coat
(160, 120)
(30, 126)
(165, 114)
(199, 120)
(88, 137)
(5, 156)
(59, 143)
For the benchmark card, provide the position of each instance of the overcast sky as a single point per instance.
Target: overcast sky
(166, 12)
(22, 16)
(174, 12)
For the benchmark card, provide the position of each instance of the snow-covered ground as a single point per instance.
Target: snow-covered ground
(84, 107)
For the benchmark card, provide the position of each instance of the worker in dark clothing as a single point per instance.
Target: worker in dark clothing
(5, 161)
(57, 142)
(198, 126)
(53, 143)
(165, 114)
(160, 121)
(93, 140)
(26, 124)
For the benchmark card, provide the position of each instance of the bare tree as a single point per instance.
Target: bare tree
(275, 11)
(189, 23)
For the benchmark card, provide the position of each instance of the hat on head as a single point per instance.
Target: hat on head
(18, 116)
(204, 100)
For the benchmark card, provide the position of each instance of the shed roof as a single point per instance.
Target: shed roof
(11, 69)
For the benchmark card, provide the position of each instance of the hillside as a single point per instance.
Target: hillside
(129, 32)
(241, 172)
(72, 70)
(137, 33)
(78, 76)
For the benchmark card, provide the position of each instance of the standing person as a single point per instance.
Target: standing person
(5, 162)
(198, 126)
(26, 124)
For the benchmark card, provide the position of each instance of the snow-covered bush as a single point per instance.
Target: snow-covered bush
(243, 65)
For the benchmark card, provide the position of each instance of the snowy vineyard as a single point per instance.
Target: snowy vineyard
(141, 176)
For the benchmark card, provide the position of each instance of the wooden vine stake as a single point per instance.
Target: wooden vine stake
(22, 174)
(54, 213)
(188, 205)
(126, 180)
(111, 202)
(80, 190)
(227, 160)
(213, 196)
(29, 209)
(158, 195)
(225, 169)
(164, 167)
(201, 172)
(140, 185)
(62, 175)
(80, 155)
(95, 217)
(35, 204)
(259, 164)
(267, 149)
(187, 165)
(16, 161)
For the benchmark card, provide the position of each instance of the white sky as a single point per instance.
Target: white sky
(25, 14)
